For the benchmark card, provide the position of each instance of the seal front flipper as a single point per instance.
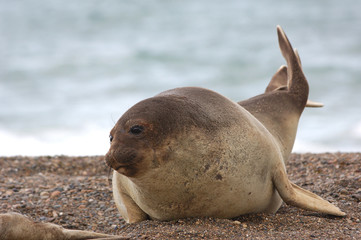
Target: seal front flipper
(299, 197)
(129, 210)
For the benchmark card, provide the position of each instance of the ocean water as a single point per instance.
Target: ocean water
(69, 70)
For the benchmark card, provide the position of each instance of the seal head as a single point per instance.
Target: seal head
(142, 137)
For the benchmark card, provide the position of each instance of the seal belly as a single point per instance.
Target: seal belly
(204, 197)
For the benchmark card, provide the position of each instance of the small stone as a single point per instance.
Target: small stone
(55, 194)
(9, 192)
(343, 191)
(237, 222)
(16, 206)
(44, 195)
(357, 196)
(244, 225)
(82, 206)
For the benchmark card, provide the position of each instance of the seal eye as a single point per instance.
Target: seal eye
(110, 138)
(136, 130)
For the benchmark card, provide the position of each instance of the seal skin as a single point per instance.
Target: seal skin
(191, 152)
(14, 226)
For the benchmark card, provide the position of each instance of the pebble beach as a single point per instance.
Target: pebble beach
(75, 192)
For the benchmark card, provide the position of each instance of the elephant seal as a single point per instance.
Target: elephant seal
(191, 152)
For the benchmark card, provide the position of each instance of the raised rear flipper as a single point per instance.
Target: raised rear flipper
(281, 106)
(279, 82)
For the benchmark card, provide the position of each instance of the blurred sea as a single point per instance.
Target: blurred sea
(69, 70)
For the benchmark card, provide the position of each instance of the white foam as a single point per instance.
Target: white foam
(90, 141)
(303, 147)
(356, 133)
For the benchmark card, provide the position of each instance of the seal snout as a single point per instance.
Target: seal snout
(109, 159)
(121, 160)
(124, 157)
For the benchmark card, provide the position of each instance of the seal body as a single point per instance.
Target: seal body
(217, 165)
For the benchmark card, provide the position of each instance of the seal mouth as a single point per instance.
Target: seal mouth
(128, 169)
(125, 166)
(124, 169)
(115, 164)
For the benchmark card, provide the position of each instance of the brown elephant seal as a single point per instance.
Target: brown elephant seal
(191, 152)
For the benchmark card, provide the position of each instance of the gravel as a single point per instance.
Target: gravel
(75, 192)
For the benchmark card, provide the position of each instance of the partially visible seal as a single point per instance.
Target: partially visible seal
(14, 226)
(191, 152)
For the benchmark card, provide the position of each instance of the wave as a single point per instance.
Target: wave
(90, 141)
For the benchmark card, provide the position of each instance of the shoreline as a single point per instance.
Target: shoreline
(75, 192)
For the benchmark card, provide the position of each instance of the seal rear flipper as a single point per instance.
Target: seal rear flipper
(279, 83)
(299, 197)
(313, 104)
